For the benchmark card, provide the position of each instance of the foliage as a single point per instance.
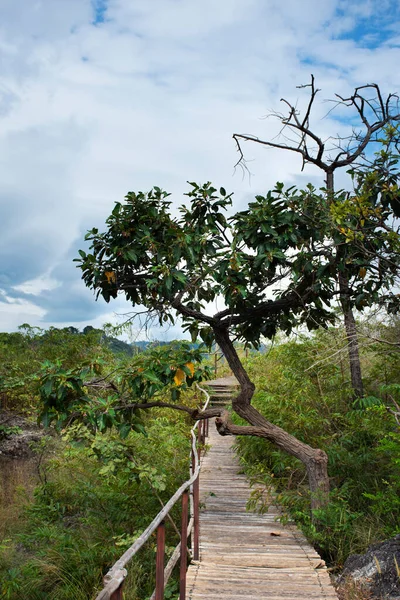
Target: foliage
(115, 399)
(161, 262)
(366, 221)
(296, 237)
(7, 431)
(104, 482)
(98, 494)
(303, 386)
(23, 352)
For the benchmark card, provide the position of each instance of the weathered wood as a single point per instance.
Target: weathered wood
(173, 560)
(196, 525)
(244, 555)
(183, 566)
(160, 561)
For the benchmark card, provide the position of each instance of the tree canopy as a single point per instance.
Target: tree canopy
(274, 264)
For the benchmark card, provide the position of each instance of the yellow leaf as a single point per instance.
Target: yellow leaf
(110, 276)
(190, 366)
(179, 377)
(362, 272)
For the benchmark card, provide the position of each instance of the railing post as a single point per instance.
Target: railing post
(183, 569)
(196, 508)
(160, 561)
(207, 426)
(198, 439)
(117, 595)
(216, 363)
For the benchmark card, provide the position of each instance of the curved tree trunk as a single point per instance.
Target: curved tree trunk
(314, 459)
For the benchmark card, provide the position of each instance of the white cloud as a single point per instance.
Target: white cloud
(34, 287)
(15, 312)
(152, 96)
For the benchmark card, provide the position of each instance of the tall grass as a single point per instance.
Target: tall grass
(303, 386)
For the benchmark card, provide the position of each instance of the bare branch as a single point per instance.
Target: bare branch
(395, 413)
(356, 142)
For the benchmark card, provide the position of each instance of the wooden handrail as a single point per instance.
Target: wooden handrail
(218, 355)
(114, 579)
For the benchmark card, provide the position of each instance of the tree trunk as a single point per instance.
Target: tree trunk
(314, 460)
(352, 338)
(349, 320)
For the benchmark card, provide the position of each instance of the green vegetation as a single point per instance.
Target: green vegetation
(22, 354)
(98, 495)
(104, 477)
(287, 263)
(304, 386)
(99, 484)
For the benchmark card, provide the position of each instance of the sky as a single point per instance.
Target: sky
(101, 97)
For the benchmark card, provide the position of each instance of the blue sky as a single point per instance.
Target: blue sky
(104, 96)
(99, 10)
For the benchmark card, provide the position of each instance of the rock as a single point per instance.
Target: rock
(378, 569)
(18, 444)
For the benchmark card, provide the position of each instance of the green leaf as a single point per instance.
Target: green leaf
(168, 282)
(151, 376)
(124, 430)
(47, 387)
(131, 255)
(140, 429)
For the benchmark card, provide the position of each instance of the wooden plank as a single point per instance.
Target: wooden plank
(244, 555)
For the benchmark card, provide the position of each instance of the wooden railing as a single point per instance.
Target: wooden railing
(215, 358)
(189, 493)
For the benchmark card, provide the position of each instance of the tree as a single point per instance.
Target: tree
(374, 115)
(104, 398)
(168, 267)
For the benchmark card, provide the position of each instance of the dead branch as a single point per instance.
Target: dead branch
(374, 115)
(396, 412)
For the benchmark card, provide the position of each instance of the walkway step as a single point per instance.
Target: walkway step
(244, 555)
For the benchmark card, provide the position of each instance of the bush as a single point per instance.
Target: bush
(303, 386)
(99, 494)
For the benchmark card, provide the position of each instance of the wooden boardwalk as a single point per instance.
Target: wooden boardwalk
(244, 555)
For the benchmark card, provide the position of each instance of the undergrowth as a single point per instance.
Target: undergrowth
(310, 397)
(98, 494)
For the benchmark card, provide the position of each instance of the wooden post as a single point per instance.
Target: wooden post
(198, 439)
(196, 508)
(117, 595)
(203, 431)
(183, 569)
(207, 427)
(215, 363)
(160, 561)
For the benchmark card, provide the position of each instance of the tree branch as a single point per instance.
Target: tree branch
(192, 313)
(194, 413)
(357, 141)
